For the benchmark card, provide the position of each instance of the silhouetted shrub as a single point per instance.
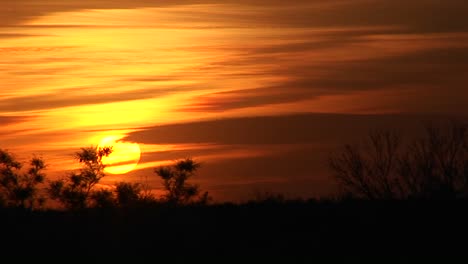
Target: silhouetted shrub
(18, 189)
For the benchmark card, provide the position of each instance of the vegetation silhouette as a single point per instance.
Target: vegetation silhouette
(76, 190)
(19, 189)
(124, 195)
(398, 200)
(434, 166)
(178, 191)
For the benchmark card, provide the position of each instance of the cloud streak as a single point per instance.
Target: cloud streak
(426, 69)
(77, 96)
(8, 120)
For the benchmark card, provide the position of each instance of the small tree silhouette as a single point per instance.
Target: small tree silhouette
(75, 191)
(20, 189)
(432, 167)
(175, 177)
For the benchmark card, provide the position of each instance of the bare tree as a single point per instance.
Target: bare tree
(369, 172)
(434, 166)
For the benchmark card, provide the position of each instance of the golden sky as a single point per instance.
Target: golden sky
(253, 89)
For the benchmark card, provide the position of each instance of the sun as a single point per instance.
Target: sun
(124, 157)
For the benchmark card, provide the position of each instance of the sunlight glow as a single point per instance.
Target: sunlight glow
(124, 157)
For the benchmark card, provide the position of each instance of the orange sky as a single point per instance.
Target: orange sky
(165, 74)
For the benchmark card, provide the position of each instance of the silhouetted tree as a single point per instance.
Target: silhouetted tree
(434, 166)
(74, 192)
(175, 177)
(18, 189)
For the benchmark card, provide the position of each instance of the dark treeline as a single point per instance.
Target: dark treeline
(294, 228)
(397, 198)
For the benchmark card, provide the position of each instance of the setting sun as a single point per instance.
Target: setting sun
(124, 157)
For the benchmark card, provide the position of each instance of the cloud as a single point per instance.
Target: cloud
(75, 96)
(265, 130)
(16, 35)
(16, 12)
(417, 15)
(8, 120)
(332, 49)
(430, 70)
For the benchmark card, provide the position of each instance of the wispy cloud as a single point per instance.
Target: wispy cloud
(284, 129)
(436, 63)
(76, 96)
(8, 120)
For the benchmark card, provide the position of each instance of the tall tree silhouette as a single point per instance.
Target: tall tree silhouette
(175, 177)
(434, 166)
(19, 189)
(75, 191)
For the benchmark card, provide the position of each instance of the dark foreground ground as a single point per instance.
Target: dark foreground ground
(390, 232)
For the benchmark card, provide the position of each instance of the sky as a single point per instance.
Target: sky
(260, 92)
